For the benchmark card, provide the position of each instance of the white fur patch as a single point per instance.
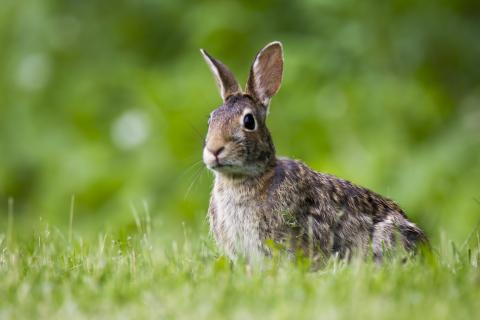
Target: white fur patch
(237, 216)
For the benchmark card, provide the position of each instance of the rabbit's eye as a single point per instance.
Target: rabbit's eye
(249, 121)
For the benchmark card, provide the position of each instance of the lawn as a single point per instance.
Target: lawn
(58, 275)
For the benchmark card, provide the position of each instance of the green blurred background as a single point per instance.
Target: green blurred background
(108, 101)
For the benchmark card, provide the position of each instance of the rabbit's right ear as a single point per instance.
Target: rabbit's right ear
(226, 82)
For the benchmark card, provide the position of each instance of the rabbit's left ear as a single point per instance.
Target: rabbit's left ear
(226, 82)
(266, 73)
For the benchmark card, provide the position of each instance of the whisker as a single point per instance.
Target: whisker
(195, 179)
(191, 167)
(200, 136)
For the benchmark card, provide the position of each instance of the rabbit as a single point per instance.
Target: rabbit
(259, 198)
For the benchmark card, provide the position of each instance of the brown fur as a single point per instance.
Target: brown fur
(258, 197)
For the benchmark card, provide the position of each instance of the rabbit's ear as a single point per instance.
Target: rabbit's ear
(266, 73)
(226, 82)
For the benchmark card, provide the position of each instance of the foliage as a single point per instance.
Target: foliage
(108, 102)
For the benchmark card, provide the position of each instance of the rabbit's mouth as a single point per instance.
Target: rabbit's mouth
(227, 162)
(233, 169)
(222, 166)
(215, 161)
(219, 166)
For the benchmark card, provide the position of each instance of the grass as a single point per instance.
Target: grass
(51, 275)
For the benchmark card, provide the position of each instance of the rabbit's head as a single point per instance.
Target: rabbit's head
(238, 142)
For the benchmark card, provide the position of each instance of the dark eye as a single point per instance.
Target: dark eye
(249, 121)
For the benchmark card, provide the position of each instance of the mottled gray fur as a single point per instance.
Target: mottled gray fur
(258, 197)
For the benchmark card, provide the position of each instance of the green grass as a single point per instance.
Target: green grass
(142, 275)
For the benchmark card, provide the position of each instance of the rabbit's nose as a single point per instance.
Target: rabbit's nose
(217, 151)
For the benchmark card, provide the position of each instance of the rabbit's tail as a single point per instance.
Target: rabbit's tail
(394, 228)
